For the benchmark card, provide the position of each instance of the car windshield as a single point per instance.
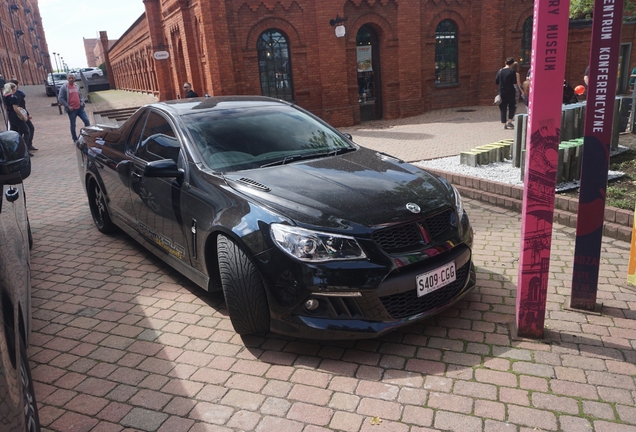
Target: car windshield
(57, 76)
(240, 138)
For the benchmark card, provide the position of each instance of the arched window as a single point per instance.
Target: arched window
(274, 65)
(446, 53)
(526, 42)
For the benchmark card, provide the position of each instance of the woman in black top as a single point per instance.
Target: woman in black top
(506, 79)
(17, 116)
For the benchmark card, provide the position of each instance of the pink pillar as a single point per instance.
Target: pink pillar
(549, 45)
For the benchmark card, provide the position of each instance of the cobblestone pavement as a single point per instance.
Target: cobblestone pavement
(121, 342)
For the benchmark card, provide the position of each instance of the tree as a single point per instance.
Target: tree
(582, 9)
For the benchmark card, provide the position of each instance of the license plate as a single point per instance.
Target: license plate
(435, 279)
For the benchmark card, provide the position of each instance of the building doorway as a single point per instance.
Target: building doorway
(368, 72)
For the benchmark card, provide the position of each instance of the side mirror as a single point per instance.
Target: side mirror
(348, 135)
(163, 168)
(15, 164)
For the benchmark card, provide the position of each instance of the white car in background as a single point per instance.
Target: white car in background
(92, 72)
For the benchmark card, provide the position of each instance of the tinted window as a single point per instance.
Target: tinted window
(133, 139)
(158, 140)
(248, 137)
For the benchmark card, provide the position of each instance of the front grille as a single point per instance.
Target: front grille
(435, 225)
(407, 304)
(409, 236)
(399, 237)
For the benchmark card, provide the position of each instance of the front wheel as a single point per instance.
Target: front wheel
(243, 289)
(99, 211)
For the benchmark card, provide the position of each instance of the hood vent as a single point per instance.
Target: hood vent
(254, 184)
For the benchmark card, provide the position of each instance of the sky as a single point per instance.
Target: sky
(67, 23)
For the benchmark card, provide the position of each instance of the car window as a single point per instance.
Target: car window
(244, 138)
(158, 140)
(133, 138)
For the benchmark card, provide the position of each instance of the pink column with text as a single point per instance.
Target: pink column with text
(549, 45)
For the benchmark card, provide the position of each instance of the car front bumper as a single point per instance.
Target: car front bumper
(367, 310)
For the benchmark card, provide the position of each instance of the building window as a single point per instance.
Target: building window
(446, 53)
(274, 66)
(526, 42)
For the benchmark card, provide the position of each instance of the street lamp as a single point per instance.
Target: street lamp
(57, 67)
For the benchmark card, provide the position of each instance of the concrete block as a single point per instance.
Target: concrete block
(469, 158)
(568, 124)
(559, 176)
(484, 157)
(519, 142)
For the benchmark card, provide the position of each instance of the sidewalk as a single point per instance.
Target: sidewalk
(121, 342)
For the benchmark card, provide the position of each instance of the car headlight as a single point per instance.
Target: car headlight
(314, 246)
(459, 204)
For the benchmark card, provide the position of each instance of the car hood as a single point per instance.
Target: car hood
(354, 191)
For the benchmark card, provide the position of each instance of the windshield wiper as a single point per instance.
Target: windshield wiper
(283, 161)
(295, 157)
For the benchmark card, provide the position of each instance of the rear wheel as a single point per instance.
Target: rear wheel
(31, 417)
(99, 211)
(243, 289)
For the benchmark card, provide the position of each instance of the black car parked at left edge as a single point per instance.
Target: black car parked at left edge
(305, 232)
(18, 408)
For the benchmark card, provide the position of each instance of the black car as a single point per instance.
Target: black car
(18, 408)
(306, 233)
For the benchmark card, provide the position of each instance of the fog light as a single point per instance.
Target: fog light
(312, 304)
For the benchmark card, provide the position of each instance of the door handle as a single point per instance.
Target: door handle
(12, 194)
(136, 177)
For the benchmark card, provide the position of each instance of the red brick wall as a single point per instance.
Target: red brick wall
(24, 56)
(212, 43)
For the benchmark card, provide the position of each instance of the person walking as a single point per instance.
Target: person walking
(17, 115)
(22, 102)
(519, 95)
(506, 79)
(189, 92)
(72, 100)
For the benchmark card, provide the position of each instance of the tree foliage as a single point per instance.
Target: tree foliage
(582, 9)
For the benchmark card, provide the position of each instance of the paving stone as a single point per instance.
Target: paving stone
(143, 419)
(555, 403)
(450, 402)
(457, 422)
(345, 421)
(598, 410)
(573, 424)
(310, 413)
(532, 417)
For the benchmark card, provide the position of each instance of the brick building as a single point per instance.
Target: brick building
(344, 60)
(90, 44)
(23, 49)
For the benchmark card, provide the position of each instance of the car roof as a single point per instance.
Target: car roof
(198, 105)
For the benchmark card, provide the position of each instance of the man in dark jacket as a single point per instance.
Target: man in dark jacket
(189, 92)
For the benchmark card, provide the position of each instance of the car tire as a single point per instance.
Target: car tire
(31, 415)
(99, 210)
(95, 76)
(243, 289)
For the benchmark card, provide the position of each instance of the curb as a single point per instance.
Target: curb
(618, 222)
